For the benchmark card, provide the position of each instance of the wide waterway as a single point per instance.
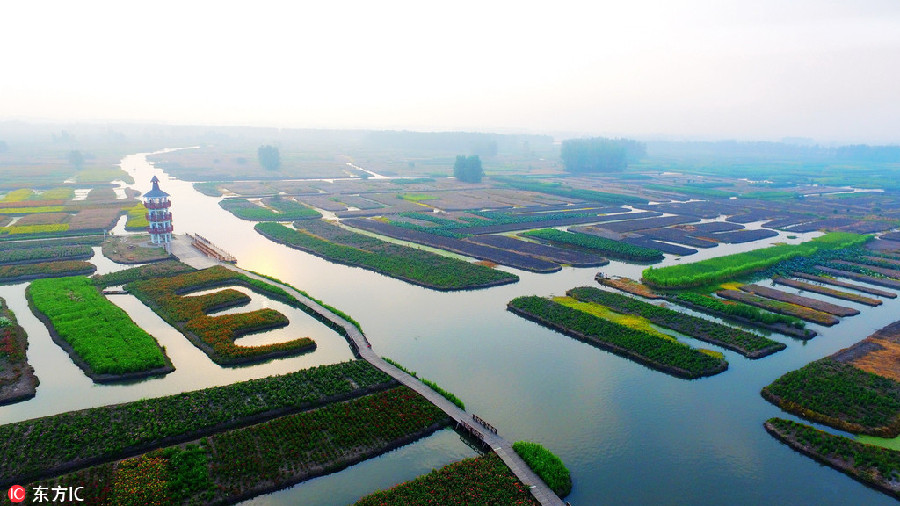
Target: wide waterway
(629, 435)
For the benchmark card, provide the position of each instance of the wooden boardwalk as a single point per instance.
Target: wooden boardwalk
(501, 446)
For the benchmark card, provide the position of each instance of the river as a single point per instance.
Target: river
(628, 434)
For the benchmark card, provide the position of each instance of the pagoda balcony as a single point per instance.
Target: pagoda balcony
(160, 230)
(159, 217)
(158, 205)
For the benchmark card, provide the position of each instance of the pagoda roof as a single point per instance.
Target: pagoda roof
(155, 193)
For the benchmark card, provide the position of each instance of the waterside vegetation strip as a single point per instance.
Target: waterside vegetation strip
(775, 306)
(744, 313)
(720, 269)
(17, 379)
(546, 465)
(873, 465)
(409, 264)
(824, 290)
(480, 480)
(600, 245)
(430, 384)
(66, 441)
(748, 344)
(672, 357)
(101, 337)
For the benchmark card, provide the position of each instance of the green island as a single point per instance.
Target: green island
(228, 466)
(671, 357)
(276, 209)
(215, 335)
(840, 395)
(748, 344)
(99, 336)
(479, 480)
(412, 265)
(873, 465)
(607, 247)
(14, 273)
(546, 465)
(63, 442)
(17, 379)
(726, 268)
(27, 255)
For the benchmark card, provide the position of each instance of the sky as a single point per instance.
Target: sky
(692, 69)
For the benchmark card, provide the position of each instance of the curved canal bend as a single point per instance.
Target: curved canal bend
(628, 434)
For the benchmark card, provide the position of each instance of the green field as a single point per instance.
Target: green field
(100, 333)
(720, 269)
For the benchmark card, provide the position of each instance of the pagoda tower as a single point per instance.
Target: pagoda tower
(157, 203)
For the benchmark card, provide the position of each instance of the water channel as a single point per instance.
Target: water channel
(628, 434)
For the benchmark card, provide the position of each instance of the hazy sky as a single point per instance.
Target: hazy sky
(715, 69)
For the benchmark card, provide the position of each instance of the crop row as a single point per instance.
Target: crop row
(46, 243)
(561, 190)
(217, 334)
(746, 343)
(546, 465)
(777, 306)
(480, 251)
(668, 356)
(73, 439)
(153, 270)
(719, 307)
(479, 480)
(840, 395)
(100, 333)
(402, 262)
(493, 222)
(34, 229)
(18, 272)
(281, 210)
(607, 247)
(247, 461)
(287, 449)
(551, 253)
(8, 256)
(873, 465)
(715, 270)
(824, 290)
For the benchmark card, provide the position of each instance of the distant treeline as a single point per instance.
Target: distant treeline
(600, 154)
(471, 143)
(774, 151)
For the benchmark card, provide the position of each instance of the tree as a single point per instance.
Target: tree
(269, 157)
(76, 159)
(600, 154)
(468, 169)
